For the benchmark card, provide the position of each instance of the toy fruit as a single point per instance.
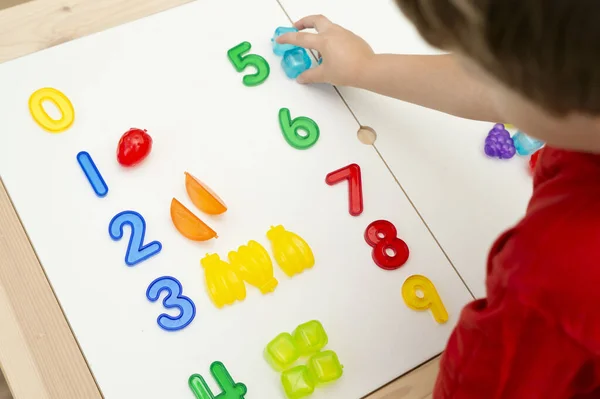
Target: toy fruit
(134, 147)
(223, 283)
(188, 224)
(499, 144)
(291, 252)
(203, 197)
(253, 264)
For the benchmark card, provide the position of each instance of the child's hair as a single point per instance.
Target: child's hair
(546, 50)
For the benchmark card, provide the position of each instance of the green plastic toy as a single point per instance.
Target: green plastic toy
(291, 130)
(229, 388)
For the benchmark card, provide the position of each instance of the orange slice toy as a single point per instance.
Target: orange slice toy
(203, 197)
(188, 224)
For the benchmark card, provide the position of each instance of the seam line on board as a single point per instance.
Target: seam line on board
(425, 223)
(394, 176)
(12, 204)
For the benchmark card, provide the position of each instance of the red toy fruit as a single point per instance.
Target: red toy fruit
(134, 147)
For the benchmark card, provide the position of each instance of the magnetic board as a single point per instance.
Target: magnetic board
(169, 74)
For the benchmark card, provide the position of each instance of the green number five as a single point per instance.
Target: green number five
(230, 389)
(241, 61)
(291, 130)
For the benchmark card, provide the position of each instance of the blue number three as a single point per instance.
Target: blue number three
(136, 250)
(174, 299)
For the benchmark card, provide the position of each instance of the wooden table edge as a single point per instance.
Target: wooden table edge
(39, 354)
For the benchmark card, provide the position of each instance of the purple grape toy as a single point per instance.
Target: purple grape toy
(499, 144)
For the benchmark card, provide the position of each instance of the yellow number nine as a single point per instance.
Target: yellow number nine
(61, 102)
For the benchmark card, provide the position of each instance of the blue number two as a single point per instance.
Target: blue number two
(174, 299)
(136, 251)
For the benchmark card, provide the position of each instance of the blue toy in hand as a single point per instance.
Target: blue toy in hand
(526, 145)
(295, 62)
(295, 59)
(280, 49)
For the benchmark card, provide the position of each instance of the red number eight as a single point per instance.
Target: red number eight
(382, 236)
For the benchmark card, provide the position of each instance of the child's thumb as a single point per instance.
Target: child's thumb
(313, 75)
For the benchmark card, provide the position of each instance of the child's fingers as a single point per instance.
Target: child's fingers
(313, 75)
(318, 22)
(302, 39)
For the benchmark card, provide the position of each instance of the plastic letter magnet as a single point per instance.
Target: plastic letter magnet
(280, 49)
(295, 61)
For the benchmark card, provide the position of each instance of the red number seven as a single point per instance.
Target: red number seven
(352, 174)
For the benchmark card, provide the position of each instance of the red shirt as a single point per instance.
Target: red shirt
(537, 334)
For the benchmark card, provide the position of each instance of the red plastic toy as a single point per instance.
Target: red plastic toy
(353, 175)
(134, 147)
(382, 236)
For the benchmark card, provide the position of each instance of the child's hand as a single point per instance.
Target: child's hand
(344, 54)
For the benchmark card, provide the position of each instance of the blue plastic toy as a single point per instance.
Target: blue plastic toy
(526, 145)
(295, 62)
(280, 49)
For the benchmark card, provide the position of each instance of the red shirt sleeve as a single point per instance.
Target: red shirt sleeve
(537, 335)
(507, 351)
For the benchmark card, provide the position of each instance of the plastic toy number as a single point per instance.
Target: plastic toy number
(352, 174)
(229, 388)
(291, 130)
(389, 252)
(174, 299)
(427, 299)
(241, 61)
(136, 251)
(92, 174)
(61, 102)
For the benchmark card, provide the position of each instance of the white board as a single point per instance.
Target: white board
(169, 73)
(465, 198)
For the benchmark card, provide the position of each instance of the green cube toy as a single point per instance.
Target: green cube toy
(281, 352)
(297, 382)
(325, 367)
(310, 337)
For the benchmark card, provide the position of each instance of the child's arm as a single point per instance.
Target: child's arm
(432, 81)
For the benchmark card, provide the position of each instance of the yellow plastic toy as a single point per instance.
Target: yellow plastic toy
(253, 264)
(223, 283)
(291, 252)
(61, 102)
(429, 299)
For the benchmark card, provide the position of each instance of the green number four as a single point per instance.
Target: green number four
(229, 388)
(241, 61)
(291, 130)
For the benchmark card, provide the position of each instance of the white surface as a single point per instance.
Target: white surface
(169, 74)
(465, 198)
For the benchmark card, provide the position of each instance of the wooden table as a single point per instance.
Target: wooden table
(39, 355)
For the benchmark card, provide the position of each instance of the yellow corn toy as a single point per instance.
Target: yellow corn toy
(291, 252)
(223, 283)
(253, 264)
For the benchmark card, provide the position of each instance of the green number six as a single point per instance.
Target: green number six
(241, 61)
(290, 129)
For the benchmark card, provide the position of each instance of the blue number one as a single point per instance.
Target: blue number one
(136, 250)
(174, 299)
(92, 173)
